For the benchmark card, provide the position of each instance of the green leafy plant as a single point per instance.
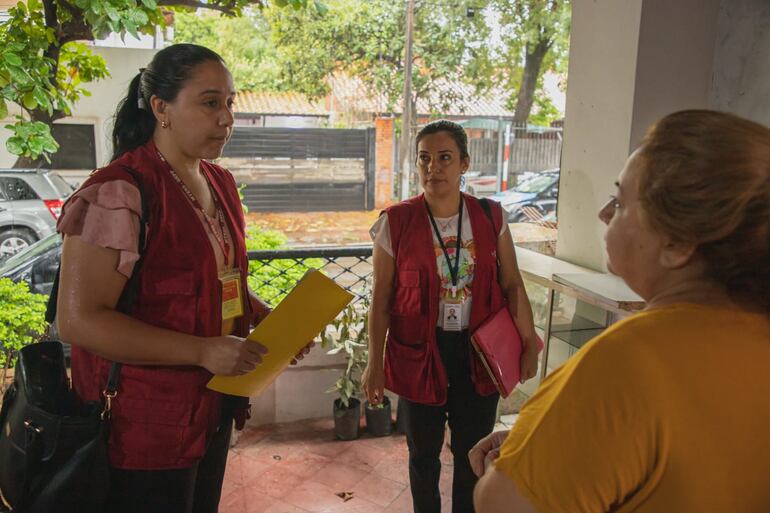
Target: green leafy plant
(22, 319)
(271, 281)
(348, 334)
(45, 65)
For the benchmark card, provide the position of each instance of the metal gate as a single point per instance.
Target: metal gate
(303, 169)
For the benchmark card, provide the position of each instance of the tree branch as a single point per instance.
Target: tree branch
(227, 8)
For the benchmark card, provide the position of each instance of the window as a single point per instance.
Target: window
(16, 189)
(77, 146)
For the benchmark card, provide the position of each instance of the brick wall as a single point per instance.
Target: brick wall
(383, 189)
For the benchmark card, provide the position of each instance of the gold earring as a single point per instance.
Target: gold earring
(164, 124)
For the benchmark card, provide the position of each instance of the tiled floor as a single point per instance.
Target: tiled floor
(299, 467)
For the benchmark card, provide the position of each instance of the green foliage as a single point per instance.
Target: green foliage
(45, 67)
(30, 139)
(366, 40)
(271, 281)
(524, 24)
(243, 42)
(348, 334)
(22, 317)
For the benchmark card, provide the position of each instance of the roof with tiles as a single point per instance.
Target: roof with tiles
(350, 94)
(279, 103)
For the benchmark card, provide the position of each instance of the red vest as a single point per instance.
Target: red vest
(413, 366)
(164, 415)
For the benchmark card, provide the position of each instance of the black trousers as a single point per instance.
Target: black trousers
(471, 417)
(189, 490)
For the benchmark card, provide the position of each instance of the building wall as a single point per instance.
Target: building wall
(634, 61)
(99, 108)
(741, 79)
(597, 122)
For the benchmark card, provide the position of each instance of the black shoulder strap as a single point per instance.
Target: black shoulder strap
(488, 211)
(130, 290)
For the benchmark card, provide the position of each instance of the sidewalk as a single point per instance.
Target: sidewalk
(340, 228)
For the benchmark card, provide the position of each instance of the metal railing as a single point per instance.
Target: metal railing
(273, 273)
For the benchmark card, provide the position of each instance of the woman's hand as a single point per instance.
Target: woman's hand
(302, 352)
(231, 356)
(529, 361)
(486, 451)
(373, 383)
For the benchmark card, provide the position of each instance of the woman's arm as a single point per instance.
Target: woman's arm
(89, 290)
(495, 493)
(513, 287)
(259, 309)
(373, 380)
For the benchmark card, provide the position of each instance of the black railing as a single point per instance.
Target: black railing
(273, 273)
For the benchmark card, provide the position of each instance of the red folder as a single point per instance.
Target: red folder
(499, 346)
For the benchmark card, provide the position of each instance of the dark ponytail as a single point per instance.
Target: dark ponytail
(164, 77)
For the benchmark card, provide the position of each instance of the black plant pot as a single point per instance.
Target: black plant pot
(347, 421)
(378, 419)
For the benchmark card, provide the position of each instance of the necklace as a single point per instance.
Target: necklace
(444, 225)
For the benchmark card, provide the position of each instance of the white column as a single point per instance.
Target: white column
(631, 62)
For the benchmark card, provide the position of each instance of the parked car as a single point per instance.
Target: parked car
(480, 185)
(36, 264)
(532, 199)
(30, 203)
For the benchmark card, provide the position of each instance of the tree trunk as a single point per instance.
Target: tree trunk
(526, 96)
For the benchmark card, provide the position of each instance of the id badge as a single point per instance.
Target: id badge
(453, 316)
(232, 297)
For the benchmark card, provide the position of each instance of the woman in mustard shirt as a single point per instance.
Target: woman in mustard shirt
(668, 410)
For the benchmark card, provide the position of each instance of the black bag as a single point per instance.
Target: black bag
(53, 451)
(53, 448)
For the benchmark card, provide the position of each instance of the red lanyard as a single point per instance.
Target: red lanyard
(221, 237)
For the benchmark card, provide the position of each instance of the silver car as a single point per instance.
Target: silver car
(30, 203)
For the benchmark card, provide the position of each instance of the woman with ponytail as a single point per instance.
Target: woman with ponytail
(175, 311)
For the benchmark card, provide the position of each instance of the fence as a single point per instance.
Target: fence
(529, 150)
(273, 273)
(302, 169)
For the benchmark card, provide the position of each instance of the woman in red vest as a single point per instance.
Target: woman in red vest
(436, 280)
(191, 306)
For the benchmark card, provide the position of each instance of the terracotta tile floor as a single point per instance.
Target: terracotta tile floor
(299, 467)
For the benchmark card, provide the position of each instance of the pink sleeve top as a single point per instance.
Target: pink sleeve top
(107, 215)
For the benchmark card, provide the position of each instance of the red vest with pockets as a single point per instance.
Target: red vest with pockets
(163, 416)
(413, 366)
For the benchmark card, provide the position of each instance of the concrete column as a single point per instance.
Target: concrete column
(631, 62)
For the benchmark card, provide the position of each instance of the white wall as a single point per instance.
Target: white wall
(741, 78)
(634, 61)
(597, 123)
(99, 108)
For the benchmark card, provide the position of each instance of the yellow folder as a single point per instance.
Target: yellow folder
(313, 303)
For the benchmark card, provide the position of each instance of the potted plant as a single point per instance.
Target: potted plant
(347, 335)
(379, 420)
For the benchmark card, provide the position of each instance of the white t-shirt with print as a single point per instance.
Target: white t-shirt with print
(447, 226)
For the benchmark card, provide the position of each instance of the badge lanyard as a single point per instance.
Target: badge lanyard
(453, 270)
(223, 240)
(232, 304)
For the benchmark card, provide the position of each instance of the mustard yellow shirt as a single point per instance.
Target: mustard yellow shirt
(667, 411)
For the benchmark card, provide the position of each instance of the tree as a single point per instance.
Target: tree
(366, 40)
(535, 39)
(243, 42)
(44, 67)
(451, 43)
